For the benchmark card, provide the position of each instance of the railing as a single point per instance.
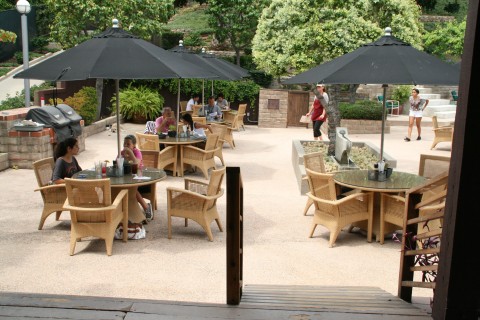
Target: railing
(234, 235)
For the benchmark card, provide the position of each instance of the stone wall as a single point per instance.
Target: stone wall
(272, 108)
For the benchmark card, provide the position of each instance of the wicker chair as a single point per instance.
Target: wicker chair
(167, 157)
(392, 207)
(147, 141)
(198, 201)
(196, 109)
(200, 158)
(150, 159)
(335, 214)
(92, 211)
(229, 134)
(240, 115)
(221, 130)
(312, 161)
(442, 134)
(53, 196)
(202, 120)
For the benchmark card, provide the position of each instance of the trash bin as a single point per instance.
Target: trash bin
(52, 117)
(74, 118)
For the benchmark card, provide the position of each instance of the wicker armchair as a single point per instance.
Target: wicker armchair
(240, 115)
(147, 141)
(335, 214)
(312, 161)
(198, 201)
(53, 196)
(167, 157)
(229, 134)
(442, 134)
(200, 158)
(92, 211)
(221, 130)
(150, 159)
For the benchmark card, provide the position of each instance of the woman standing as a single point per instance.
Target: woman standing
(318, 111)
(417, 105)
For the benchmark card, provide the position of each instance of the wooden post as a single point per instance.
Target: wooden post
(234, 235)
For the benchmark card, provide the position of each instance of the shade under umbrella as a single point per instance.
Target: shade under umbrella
(114, 54)
(385, 61)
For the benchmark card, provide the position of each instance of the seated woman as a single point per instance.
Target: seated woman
(167, 119)
(221, 102)
(196, 128)
(134, 156)
(65, 163)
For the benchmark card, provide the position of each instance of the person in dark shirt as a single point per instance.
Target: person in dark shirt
(65, 163)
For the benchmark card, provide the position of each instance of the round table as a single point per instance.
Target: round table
(179, 143)
(397, 182)
(129, 182)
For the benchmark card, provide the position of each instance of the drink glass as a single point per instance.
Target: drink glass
(134, 168)
(98, 169)
(104, 170)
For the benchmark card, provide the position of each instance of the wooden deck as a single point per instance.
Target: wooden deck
(258, 302)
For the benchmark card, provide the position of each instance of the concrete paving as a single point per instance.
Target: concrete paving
(188, 267)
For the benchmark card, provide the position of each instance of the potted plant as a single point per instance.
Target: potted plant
(140, 104)
(401, 94)
(172, 131)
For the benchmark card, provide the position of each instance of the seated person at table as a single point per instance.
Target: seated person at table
(134, 156)
(197, 129)
(221, 102)
(65, 163)
(211, 107)
(150, 128)
(167, 119)
(191, 102)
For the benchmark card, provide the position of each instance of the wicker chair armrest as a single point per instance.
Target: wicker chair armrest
(170, 190)
(189, 182)
(51, 187)
(118, 199)
(67, 206)
(331, 202)
(354, 196)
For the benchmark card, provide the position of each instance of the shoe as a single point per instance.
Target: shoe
(407, 139)
(419, 138)
(149, 212)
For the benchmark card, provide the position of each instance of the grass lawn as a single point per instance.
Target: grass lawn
(192, 18)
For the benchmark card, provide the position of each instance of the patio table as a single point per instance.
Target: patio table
(397, 182)
(179, 143)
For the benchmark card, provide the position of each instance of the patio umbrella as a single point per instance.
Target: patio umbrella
(114, 54)
(385, 61)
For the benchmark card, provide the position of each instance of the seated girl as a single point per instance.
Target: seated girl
(134, 156)
(65, 163)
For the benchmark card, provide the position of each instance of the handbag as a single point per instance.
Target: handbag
(305, 119)
(135, 231)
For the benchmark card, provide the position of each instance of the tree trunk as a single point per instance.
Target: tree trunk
(333, 115)
(99, 88)
(352, 90)
(237, 54)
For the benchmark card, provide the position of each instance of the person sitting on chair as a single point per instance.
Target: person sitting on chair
(221, 102)
(192, 101)
(210, 108)
(166, 120)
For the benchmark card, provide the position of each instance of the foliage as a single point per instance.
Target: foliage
(73, 18)
(293, 36)
(446, 40)
(40, 42)
(261, 78)
(140, 101)
(6, 5)
(7, 36)
(190, 19)
(402, 93)
(362, 109)
(85, 103)
(170, 39)
(17, 101)
(193, 39)
(235, 21)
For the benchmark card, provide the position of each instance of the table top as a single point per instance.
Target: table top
(153, 174)
(397, 182)
(178, 140)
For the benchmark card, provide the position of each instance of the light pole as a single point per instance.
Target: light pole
(23, 7)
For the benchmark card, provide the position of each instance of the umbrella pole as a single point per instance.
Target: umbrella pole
(178, 103)
(212, 87)
(203, 92)
(117, 95)
(384, 101)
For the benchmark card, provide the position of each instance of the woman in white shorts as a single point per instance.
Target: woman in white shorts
(417, 105)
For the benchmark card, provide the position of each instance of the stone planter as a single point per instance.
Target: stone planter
(299, 169)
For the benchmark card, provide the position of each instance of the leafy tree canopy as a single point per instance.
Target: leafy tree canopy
(295, 35)
(235, 21)
(446, 41)
(74, 18)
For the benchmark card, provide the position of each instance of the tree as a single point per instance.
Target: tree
(235, 21)
(293, 36)
(74, 19)
(446, 41)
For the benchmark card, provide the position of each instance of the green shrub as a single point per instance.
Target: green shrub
(362, 109)
(85, 103)
(40, 43)
(193, 39)
(402, 93)
(140, 101)
(261, 78)
(170, 39)
(15, 102)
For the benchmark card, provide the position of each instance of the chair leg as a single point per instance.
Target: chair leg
(219, 224)
(169, 226)
(109, 245)
(208, 230)
(307, 206)
(314, 225)
(73, 242)
(333, 237)
(42, 219)
(57, 217)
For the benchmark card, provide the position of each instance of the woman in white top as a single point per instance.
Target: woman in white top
(191, 102)
(195, 127)
(417, 105)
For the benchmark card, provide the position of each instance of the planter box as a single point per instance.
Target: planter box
(299, 169)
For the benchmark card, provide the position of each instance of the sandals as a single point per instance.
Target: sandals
(407, 139)
(419, 138)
